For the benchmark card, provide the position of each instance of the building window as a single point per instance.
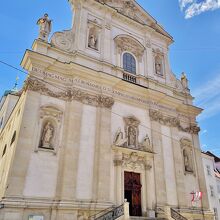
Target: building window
(212, 191)
(216, 213)
(4, 151)
(13, 138)
(208, 168)
(129, 63)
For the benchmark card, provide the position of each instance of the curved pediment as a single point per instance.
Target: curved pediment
(128, 43)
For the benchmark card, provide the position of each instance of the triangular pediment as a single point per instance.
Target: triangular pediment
(134, 11)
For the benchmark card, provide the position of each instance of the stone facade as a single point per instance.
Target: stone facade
(84, 120)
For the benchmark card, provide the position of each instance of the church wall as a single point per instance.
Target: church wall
(43, 165)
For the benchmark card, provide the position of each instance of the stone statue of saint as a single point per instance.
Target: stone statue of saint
(146, 145)
(187, 161)
(47, 135)
(93, 41)
(158, 65)
(132, 137)
(119, 140)
(184, 81)
(45, 25)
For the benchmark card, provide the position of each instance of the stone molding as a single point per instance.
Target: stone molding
(126, 43)
(70, 94)
(127, 8)
(172, 122)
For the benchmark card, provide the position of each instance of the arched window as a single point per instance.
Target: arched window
(129, 63)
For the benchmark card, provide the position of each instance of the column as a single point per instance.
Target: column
(150, 185)
(118, 181)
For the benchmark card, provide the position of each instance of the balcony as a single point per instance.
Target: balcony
(129, 77)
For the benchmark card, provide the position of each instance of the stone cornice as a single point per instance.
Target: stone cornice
(172, 122)
(69, 95)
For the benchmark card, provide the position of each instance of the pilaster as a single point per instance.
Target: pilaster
(70, 150)
(158, 163)
(178, 165)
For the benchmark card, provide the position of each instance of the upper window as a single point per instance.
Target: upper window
(129, 63)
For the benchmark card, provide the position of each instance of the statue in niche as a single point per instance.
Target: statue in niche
(47, 136)
(158, 65)
(187, 163)
(184, 81)
(92, 41)
(146, 145)
(132, 136)
(119, 140)
(45, 25)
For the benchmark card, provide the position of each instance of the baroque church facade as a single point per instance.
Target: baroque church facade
(100, 123)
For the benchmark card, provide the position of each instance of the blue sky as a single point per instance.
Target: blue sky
(195, 26)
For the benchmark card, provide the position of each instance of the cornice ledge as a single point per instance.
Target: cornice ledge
(69, 95)
(172, 122)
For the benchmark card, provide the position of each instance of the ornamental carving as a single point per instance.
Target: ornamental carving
(127, 8)
(133, 161)
(127, 43)
(63, 40)
(172, 122)
(70, 94)
(130, 137)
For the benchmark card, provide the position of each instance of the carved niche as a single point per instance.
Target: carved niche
(187, 154)
(94, 32)
(158, 62)
(132, 131)
(130, 137)
(126, 43)
(49, 128)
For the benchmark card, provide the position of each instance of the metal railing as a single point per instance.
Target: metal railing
(129, 77)
(112, 214)
(176, 215)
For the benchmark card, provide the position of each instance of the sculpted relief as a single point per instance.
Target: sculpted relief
(130, 138)
(47, 136)
(187, 154)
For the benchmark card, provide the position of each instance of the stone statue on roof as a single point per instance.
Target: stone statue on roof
(45, 25)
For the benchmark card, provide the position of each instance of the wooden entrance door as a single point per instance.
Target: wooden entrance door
(132, 187)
